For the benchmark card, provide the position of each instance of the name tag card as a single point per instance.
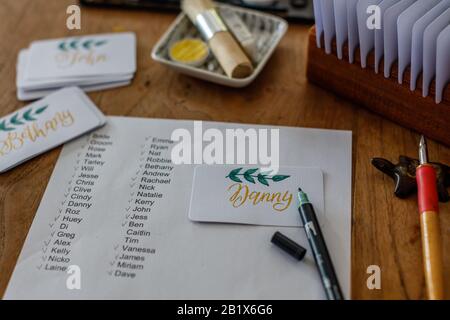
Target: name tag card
(90, 62)
(96, 55)
(46, 124)
(248, 195)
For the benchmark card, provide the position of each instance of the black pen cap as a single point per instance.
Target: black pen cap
(288, 245)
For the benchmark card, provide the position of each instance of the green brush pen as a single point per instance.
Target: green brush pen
(319, 248)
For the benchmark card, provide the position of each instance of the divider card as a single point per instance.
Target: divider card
(366, 35)
(406, 34)
(429, 48)
(442, 63)
(117, 208)
(379, 33)
(329, 27)
(390, 34)
(405, 25)
(340, 17)
(353, 36)
(318, 21)
(417, 40)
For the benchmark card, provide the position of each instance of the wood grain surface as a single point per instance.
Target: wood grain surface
(385, 230)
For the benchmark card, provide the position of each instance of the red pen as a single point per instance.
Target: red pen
(429, 224)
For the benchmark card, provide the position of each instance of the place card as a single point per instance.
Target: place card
(46, 124)
(247, 195)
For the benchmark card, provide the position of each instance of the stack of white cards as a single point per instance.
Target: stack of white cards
(46, 124)
(92, 62)
(414, 33)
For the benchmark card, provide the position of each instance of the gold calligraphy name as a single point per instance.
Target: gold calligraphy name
(32, 132)
(280, 201)
(70, 58)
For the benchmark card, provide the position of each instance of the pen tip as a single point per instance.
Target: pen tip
(422, 140)
(423, 152)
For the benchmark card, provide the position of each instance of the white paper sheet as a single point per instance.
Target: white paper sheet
(429, 49)
(442, 63)
(340, 14)
(353, 35)
(177, 258)
(366, 35)
(417, 40)
(390, 34)
(405, 25)
(379, 33)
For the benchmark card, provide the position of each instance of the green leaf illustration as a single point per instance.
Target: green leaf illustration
(233, 175)
(100, 43)
(62, 46)
(3, 126)
(248, 175)
(41, 109)
(235, 179)
(15, 121)
(249, 178)
(27, 115)
(251, 171)
(279, 178)
(87, 44)
(262, 179)
(235, 171)
(75, 44)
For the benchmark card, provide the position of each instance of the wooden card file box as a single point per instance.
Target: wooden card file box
(374, 92)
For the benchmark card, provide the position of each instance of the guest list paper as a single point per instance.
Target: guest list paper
(115, 213)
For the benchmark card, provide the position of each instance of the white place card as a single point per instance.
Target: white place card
(247, 195)
(45, 124)
(96, 55)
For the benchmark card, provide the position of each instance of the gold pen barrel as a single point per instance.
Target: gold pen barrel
(432, 255)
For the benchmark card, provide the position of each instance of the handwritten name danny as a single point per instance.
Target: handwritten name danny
(241, 195)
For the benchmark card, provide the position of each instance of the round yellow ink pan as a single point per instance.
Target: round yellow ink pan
(192, 52)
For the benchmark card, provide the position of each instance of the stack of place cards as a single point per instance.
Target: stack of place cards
(93, 63)
(46, 124)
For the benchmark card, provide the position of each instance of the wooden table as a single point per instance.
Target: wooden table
(385, 230)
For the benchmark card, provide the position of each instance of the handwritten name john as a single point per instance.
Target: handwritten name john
(71, 58)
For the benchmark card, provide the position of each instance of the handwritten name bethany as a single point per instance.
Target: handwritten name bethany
(32, 132)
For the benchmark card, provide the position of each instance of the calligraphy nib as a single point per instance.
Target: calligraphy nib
(423, 151)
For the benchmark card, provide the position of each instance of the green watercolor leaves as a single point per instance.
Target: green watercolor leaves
(18, 120)
(251, 176)
(77, 44)
(233, 175)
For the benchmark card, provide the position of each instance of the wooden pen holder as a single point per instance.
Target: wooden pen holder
(373, 91)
